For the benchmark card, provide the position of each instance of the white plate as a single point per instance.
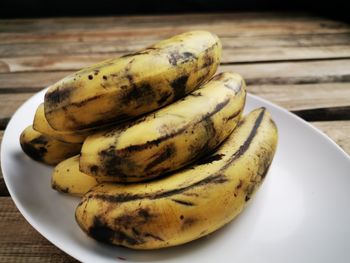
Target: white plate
(300, 214)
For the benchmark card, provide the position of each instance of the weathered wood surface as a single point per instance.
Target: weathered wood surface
(298, 61)
(19, 242)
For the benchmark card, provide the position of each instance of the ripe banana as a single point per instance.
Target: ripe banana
(41, 125)
(169, 138)
(189, 204)
(67, 178)
(126, 87)
(46, 149)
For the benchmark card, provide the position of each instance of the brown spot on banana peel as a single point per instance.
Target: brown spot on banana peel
(234, 115)
(142, 93)
(83, 102)
(188, 222)
(142, 52)
(195, 94)
(240, 184)
(153, 236)
(35, 148)
(102, 232)
(176, 57)
(244, 147)
(208, 60)
(179, 87)
(181, 202)
(93, 169)
(58, 95)
(210, 159)
(162, 156)
(112, 161)
(164, 97)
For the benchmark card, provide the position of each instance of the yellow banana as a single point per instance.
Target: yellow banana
(67, 178)
(126, 87)
(169, 138)
(40, 124)
(46, 149)
(189, 204)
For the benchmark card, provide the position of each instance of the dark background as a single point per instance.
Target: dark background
(38, 8)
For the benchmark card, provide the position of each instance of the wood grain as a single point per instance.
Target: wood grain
(338, 131)
(296, 72)
(74, 55)
(3, 188)
(103, 28)
(19, 242)
(304, 96)
(315, 42)
(10, 102)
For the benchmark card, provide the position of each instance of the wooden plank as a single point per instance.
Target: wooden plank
(233, 24)
(304, 96)
(10, 102)
(338, 131)
(20, 242)
(73, 55)
(314, 40)
(29, 81)
(297, 72)
(300, 72)
(230, 56)
(3, 188)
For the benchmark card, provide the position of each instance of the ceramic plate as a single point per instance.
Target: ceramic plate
(300, 214)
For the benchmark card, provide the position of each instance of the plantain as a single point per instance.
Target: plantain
(169, 138)
(41, 125)
(134, 84)
(189, 204)
(67, 178)
(46, 149)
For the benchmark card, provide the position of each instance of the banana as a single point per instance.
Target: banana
(67, 178)
(189, 204)
(41, 125)
(169, 138)
(126, 87)
(46, 149)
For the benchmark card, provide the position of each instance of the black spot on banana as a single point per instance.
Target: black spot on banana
(169, 138)
(129, 86)
(188, 204)
(46, 149)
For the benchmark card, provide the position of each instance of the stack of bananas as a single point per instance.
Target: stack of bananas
(156, 144)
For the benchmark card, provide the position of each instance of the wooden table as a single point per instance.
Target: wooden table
(298, 61)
